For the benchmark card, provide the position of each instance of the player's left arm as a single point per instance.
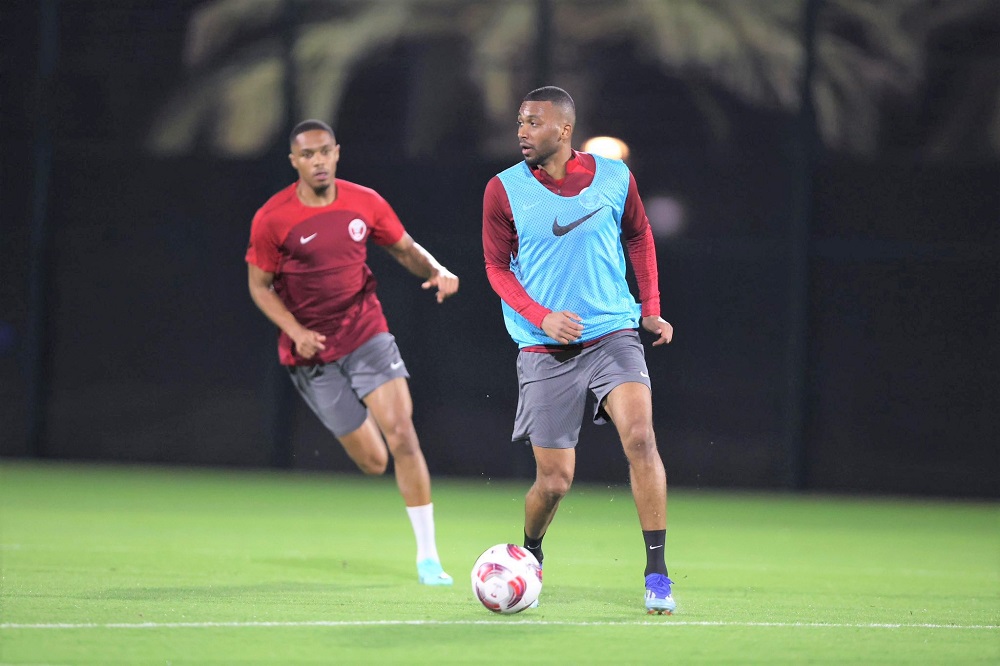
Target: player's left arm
(414, 258)
(642, 253)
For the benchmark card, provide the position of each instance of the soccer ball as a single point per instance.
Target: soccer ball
(506, 578)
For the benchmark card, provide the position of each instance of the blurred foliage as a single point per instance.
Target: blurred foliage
(874, 88)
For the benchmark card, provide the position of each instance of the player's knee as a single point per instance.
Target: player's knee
(402, 438)
(374, 463)
(372, 458)
(555, 486)
(639, 440)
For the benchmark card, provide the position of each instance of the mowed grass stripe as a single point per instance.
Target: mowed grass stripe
(556, 623)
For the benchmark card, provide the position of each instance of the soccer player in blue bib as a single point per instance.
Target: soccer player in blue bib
(552, 241)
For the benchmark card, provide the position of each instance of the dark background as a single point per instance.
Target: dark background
(837, 308)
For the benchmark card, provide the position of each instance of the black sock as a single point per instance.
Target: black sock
(655, 541)
(534, 546)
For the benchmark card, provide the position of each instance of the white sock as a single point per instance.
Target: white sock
(422, 518)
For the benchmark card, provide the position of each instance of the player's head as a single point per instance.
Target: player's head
(314, 154)
(545, 124)
(306, 126)
(559, 98)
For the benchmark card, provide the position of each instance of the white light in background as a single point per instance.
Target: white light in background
(666, 213)
(607, 146)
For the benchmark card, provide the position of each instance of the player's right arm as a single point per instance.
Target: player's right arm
(261, 283)
(499, 244)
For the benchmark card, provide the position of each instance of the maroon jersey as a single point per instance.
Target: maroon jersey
(317, 256)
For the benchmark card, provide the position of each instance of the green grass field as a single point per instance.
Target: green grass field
(125, 565)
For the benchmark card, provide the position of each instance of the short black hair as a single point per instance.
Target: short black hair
(557, 96)
(307, 125)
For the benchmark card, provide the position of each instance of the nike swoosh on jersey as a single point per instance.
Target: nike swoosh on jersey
(306, 239)
(562, 230)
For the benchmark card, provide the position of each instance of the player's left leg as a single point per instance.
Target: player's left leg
(629, 406)
(391, 407)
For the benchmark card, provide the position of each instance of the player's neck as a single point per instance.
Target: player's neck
(555, 166)
(316, 198)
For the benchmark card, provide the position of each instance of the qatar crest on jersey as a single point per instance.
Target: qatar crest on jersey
(357, 229)
(589, 200)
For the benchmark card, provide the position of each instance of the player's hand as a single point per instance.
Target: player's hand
(564, 327)
(308, 343)
(660, 327)
(446, 283)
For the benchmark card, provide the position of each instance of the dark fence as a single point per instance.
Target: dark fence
(151, 350)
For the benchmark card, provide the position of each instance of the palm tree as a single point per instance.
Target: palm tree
(241, 54)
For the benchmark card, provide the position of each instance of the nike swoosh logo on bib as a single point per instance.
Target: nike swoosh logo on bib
(562, 230)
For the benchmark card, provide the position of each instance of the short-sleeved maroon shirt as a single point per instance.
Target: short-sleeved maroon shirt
(317, 255)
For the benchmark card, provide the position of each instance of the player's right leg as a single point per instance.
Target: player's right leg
(551, 401)
(328, 392)
(554, 470)
(366, 448)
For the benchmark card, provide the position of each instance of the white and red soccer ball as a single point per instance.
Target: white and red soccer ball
(506, 578)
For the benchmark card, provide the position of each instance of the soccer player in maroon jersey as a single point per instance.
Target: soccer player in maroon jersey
(552, 239)
(307, 273)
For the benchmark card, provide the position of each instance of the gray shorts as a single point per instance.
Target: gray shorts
(334, 391)
(553, 388)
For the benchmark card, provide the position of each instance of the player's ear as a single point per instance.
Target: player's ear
(291, 159)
